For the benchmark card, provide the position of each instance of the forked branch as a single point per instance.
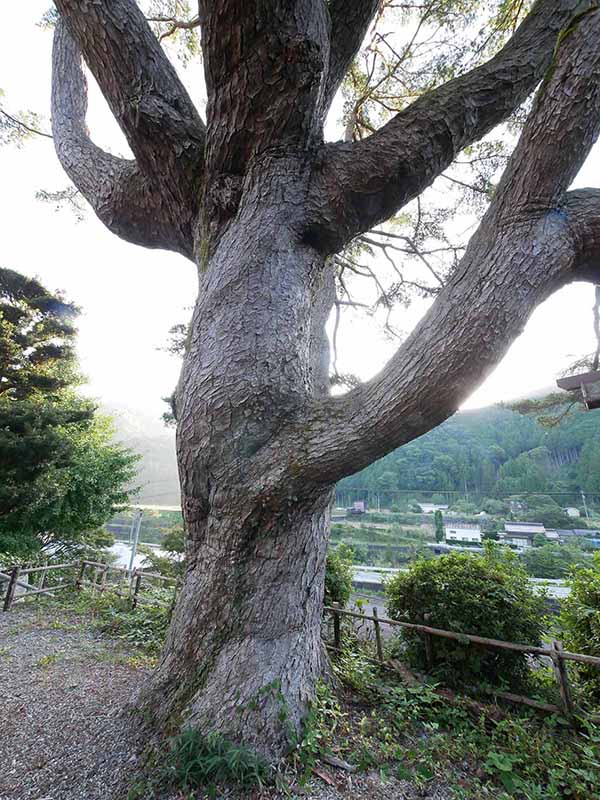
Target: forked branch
(350, 20)
(124, 199)
(368, 181)
(533, 240)
(141, 86)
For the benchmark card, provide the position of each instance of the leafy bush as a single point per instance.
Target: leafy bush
(580, 621)
(486, 595)
(195, 761)
(338, 575)
(173, 564)
(551, 560)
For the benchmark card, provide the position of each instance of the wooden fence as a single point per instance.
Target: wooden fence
(554, 653)
(13, 577)
(96, 575)
(99, 577)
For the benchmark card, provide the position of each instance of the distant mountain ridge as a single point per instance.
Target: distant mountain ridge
(493, 452)
(149, 437)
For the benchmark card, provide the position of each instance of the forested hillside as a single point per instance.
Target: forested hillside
(493, 452)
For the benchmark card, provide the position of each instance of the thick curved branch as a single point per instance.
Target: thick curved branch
(123, 198)
(368, 181)
(350, 20)
(533, 240)
(144, 93)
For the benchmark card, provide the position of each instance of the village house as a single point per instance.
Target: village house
(520, 535)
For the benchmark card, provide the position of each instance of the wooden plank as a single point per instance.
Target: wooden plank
(6, 577)
(158, 577)
(526, 701)
(581, 658)
(48, 567)
(575, 381)
(48, 590)
(105, 566)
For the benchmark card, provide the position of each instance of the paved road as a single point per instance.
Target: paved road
(372, 578)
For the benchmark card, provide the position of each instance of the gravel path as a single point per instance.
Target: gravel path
(62, 736)
(61, 690)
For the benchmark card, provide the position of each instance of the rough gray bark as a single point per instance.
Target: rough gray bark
(263, 203)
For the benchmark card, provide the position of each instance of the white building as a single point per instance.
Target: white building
(463, 534)
(571, 511)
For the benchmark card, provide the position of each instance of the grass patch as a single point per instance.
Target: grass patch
(203, 762)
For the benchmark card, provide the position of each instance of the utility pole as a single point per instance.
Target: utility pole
(136, 536)
(585, 508)
(132, 529)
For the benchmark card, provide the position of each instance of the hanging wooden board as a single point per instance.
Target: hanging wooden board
(588, 383)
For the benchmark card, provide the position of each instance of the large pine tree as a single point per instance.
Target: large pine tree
(61, 476)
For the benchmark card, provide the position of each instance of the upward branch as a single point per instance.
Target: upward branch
(144, 93)
(368, 181)
(350, 20)
(534, 239)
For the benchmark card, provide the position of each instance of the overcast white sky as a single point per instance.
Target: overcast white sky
(131, 296)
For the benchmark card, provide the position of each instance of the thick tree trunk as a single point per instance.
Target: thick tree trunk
(244, 650)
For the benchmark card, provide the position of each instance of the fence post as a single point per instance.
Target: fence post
(12, 585)
(562, 677)
(378, 642)
(337, 633)
(136, 591)
(429, 656)
(42, 580)
(103, 578)
(79, 581)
